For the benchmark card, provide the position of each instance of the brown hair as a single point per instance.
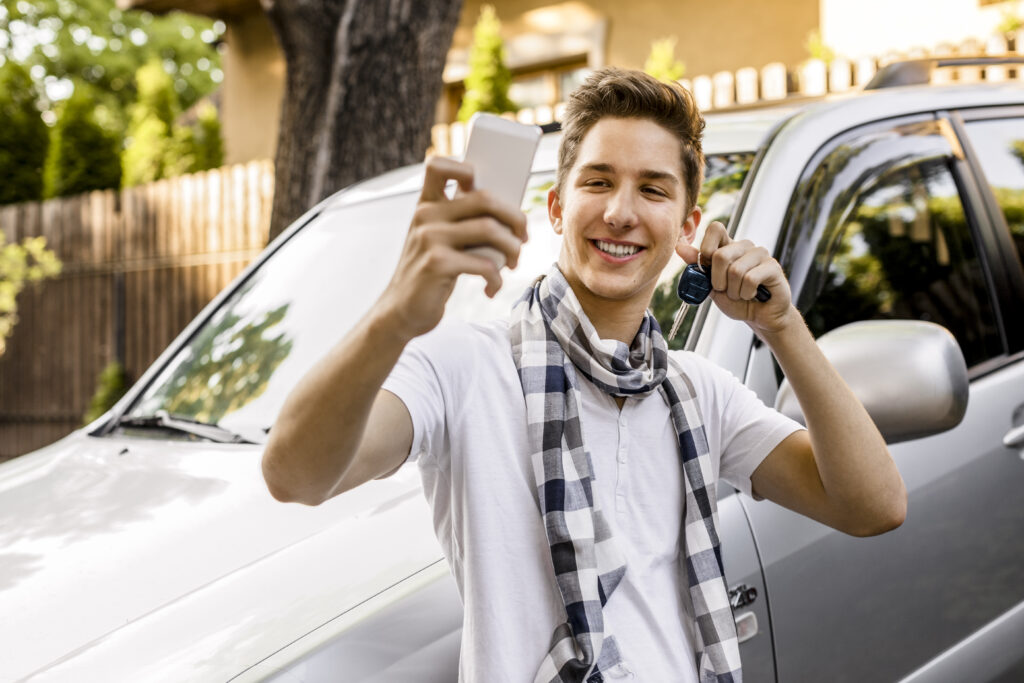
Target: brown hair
(634, 94)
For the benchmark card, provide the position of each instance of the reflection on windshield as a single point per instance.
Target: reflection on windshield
(226, 366)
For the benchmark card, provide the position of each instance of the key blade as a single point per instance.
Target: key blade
(677, 321)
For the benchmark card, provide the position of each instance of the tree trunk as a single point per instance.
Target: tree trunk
(362, 82)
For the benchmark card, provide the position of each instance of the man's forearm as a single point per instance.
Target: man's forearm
(861, 483)
(320, 427)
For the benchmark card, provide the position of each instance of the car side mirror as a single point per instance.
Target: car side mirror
(909, 374)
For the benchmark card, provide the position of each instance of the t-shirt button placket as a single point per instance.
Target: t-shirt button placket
(623, 440)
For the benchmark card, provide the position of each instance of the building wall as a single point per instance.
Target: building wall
(712, 36)
(253, 87)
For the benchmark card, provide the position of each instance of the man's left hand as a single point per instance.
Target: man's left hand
(737, 269)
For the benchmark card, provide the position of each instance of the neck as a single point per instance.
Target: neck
(617, 320)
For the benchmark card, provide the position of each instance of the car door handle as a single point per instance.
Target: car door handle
(1014, 438)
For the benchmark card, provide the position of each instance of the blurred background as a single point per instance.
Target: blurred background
(141, 141)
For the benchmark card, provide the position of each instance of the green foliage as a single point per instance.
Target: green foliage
(817, 49)
(150, 140)
(197, 147)
(1011, 21)
(208, 146)
(23, 137)
(157, 148)
(1017, 150)
(94, 42)
(113, 383)
(662, 63)
(22, 263)
(83, 155)
(488, 79)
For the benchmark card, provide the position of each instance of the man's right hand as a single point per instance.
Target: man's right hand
(435, 254)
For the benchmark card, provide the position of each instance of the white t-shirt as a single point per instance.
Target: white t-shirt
(461, 388)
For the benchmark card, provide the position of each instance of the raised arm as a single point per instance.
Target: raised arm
(337, 428)
(839, 471)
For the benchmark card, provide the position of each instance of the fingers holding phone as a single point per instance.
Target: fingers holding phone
(477, 232)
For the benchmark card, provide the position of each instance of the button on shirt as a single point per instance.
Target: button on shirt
(469, 422)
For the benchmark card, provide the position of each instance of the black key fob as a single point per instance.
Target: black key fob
(695, 285)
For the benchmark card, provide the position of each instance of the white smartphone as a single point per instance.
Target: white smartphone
(501, 153)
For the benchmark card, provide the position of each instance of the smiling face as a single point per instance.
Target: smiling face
(621, 213)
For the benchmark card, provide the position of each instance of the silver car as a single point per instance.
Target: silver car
(146, 547)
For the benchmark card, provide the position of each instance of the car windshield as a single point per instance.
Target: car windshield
(237, 369)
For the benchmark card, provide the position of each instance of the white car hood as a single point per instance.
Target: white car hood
(134, 559)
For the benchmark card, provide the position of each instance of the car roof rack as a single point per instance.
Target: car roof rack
(919, 71)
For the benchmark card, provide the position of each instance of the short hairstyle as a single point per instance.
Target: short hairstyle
(633, 94)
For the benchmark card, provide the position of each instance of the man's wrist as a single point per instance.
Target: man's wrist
(386, 326)
(790, 328)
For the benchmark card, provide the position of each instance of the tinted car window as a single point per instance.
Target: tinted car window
(892, 239)
(999, 145)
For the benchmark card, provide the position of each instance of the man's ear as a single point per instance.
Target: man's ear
(690, 224)
(555, 211)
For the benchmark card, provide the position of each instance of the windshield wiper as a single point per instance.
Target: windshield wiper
(161, 419)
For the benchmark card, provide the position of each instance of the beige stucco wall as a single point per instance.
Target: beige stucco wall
(253, 86)
(712, 35)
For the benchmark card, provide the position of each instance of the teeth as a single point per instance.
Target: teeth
(616, 249)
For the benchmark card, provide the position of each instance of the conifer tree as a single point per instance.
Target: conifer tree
(151, 143)
(23, 136)
(83, 155)
(488, 79)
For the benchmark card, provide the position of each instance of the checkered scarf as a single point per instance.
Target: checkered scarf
(552, 340)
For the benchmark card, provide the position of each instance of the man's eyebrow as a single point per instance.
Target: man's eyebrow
(646, 173)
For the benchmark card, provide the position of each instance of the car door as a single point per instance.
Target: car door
(888, 222)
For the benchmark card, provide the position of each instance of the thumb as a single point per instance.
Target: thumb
(687, 252)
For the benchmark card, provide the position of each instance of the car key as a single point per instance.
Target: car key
(694, 287)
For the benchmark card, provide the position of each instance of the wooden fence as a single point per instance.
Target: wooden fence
(139, 264)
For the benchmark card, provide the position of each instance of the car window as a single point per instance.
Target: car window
(724, 175)
(999, 145)
(238, 368)
(882, 234)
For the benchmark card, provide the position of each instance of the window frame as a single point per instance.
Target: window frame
(1006, 270)
(982, 234)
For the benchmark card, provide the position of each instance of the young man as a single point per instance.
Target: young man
(571, 462)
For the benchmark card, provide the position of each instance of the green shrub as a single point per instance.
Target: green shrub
(157, 147)
(151, 144)
(21, 263)
(488, 79)
(662, 63)
(112, 385)
(23, 136)
(817, 49)
(83, 155)
(197, 147)
(208, 144)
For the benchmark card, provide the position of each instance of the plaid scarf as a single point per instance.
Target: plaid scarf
(552, 340)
